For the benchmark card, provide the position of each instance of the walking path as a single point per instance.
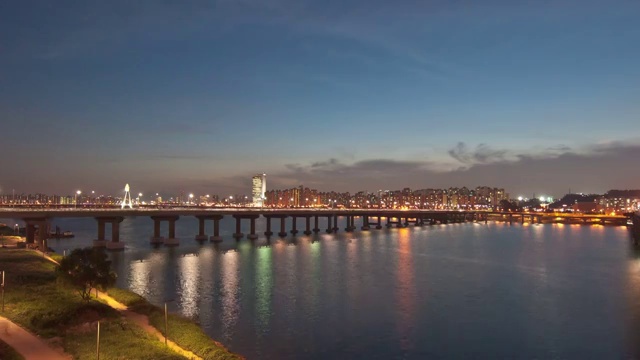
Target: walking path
(141, 320)
(26, 344)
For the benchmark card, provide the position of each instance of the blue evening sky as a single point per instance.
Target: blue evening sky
(199, 95)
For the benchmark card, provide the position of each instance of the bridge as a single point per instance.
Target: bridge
(38, 219)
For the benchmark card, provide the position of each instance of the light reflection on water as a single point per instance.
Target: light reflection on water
(230, 293)
(450, 291)
(188, 290)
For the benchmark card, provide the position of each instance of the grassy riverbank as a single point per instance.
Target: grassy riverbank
(38, 302)
(7, 352)
(182, 331)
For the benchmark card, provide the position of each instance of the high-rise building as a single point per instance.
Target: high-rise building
(259, 187)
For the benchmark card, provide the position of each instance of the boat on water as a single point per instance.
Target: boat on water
(60, 235)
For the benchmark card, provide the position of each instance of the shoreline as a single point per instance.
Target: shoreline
(36, 294)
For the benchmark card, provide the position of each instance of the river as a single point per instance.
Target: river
(470, 290)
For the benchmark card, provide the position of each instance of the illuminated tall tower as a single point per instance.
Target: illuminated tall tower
(126, 201)
(259, 187)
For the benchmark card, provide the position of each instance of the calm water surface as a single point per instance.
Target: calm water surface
(446, 291)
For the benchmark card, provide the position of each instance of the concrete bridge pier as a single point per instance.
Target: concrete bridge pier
(307, 220)
(115, 243)
(316, 229)
(252, 233)
(171, 240)
(156, 238)
(101, 241)
(348, 227)
(238, 234)
(202, 236)
(335, 223)
(329, 229)
(379, 224)
(268, 232)
(42, 225)
(365, 223)
(216, 228)
(283, 230)
(294, 221)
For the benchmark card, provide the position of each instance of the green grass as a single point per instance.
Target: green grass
(126, 297)
(7, 352)
(182, 331)
(119, 339)
(37, 301)
(55, 256)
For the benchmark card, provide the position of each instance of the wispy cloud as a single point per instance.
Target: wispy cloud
(482, 154)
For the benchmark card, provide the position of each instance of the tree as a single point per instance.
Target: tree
(85, 269)
(506, 205)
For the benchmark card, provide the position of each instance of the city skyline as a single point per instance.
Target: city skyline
(534, 98)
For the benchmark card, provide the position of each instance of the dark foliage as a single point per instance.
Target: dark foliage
(85, 269)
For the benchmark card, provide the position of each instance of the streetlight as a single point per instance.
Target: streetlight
(166, 321)
(191, 199)
(76, 199)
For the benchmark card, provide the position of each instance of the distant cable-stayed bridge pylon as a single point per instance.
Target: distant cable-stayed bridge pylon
(126, 201)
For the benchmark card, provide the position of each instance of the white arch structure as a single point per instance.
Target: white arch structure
(126, 201)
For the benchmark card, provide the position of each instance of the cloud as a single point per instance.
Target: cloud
(595, 168)
(483, 154)
(550, 171)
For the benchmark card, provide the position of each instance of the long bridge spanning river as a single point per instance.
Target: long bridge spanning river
(37, 220)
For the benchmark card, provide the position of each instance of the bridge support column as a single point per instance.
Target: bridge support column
(202, 236)
(31, 233)
(283, 230)
(172, 240)
(307, 230)
(335, 223)
(115, 243)
(379, 224)
(156, 238)
(294, 225)
(42, 225)
(365, 223)
(316, 229)
(238, 234)
(389, 222)
(252, 233)
(329, 229)
(268, 232)
(349, 228)
(43, 232)
(510, 219)
(100, 241)
(216, 229)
